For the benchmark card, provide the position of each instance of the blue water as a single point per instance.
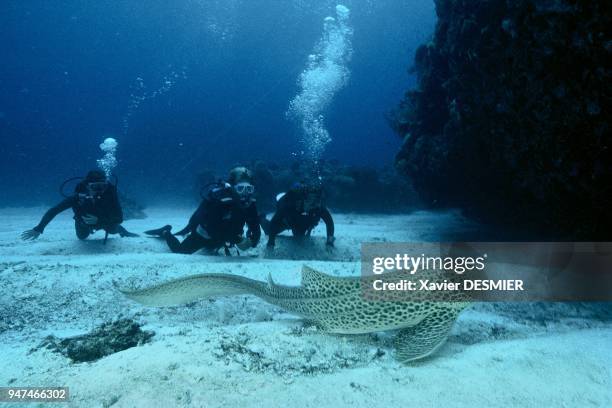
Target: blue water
(187, 85)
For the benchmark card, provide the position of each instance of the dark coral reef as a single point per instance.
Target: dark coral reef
(510, 118)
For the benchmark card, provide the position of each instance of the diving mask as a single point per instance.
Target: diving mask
(244, 190)
(97, 188)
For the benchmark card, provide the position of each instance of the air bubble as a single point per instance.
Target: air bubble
(109, 161)
(325, 75)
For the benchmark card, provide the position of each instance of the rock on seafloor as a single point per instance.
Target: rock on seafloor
(109, 338)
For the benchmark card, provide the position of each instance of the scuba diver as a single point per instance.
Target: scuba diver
(219, 220)
(300, 209)
(95, 204)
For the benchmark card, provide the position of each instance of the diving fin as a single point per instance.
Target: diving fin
(159, 232)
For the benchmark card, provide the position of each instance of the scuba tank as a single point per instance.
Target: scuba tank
(212, 193)
(217, 190)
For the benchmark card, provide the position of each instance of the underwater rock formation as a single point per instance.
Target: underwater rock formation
(510, 118)
(109, 338)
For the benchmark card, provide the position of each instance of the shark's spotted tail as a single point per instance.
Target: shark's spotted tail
(191, 288)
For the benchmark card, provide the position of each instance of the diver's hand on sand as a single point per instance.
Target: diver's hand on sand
(330, 242)
(31, 234)
(89, 219)
(244, 244)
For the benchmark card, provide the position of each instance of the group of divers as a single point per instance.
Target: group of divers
(218, 222)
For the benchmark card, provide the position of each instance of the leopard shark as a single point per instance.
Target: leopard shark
(340, 305)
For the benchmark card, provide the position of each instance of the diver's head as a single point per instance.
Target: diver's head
(242, 181)
(94, 176)
(96, 183)
(240, 174)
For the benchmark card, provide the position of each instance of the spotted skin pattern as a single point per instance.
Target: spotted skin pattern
(334, 304)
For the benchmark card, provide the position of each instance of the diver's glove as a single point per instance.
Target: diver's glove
(244, 244)
(90, 219)
(330, 242)
(31, 234)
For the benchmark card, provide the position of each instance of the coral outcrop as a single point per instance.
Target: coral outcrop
(511, 116)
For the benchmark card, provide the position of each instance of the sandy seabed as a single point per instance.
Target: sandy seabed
(241, 351)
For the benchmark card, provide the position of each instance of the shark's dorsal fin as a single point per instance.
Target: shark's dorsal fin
(271, 283)
(313, 278)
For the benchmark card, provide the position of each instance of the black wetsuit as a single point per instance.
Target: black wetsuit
(218, 222)
(106, 208)
(290, 214)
